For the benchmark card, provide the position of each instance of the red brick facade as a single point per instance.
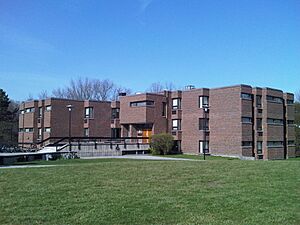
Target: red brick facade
(239, 121)
(42, 119)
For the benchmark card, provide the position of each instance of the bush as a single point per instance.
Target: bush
(161, 144)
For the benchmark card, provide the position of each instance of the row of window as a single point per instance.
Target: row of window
(89, 113)
(270, 98)
(269, 144)
(27, 110)
(31, 109)
(203, 124)
(26, 130)
(29, 130)
(274, 121)
(270, 121)
(203, 102)
(142, 103)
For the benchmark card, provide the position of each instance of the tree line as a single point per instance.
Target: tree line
(96, 89)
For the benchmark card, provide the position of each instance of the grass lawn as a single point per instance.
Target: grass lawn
(117, 191)
(199, 157)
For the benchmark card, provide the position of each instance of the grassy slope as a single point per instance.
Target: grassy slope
(152, 192)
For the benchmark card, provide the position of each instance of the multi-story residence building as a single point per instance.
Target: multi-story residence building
(51, 117)
(238, 121)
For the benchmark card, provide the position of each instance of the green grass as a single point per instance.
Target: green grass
(198, 157)
(114, 191)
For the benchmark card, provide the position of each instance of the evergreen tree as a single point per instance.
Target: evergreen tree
(4, 103)
(8, 120)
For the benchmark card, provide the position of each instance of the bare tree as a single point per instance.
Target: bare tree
(155, 88)
(169, 86)
(59, 93)
(43, 94)
(159, 87)
(30, 97)
(118, 90)
(103, 89)
(89, 89)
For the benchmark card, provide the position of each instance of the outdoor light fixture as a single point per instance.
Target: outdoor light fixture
(205, 111)
(70, 120)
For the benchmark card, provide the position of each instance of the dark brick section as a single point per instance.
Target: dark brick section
(238, 121)
(50, 118)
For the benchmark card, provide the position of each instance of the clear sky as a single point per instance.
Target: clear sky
(207, 43)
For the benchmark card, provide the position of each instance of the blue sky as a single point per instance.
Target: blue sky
(207, 43)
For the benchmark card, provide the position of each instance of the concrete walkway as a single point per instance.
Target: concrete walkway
(143, 157)
(25, 166)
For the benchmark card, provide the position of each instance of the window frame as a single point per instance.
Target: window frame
(177, 126)
(90, 114)
(48, 108)
(146, 103)
(203, 124)
(201, 101)
(178, 103)
(246, 96)
(243, 120)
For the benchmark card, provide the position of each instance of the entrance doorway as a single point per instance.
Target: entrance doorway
(146, 133)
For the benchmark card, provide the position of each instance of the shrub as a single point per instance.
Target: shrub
(161, 144)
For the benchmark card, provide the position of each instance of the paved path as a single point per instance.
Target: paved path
(25, 166)
(143, 157)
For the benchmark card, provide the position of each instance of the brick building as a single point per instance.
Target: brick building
(42, 119)
(238, 121)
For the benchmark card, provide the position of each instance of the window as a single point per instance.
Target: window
(22, 112)
(141, 103)
(288, 101)
(29, 110)
(259, 110)
(203, 146)
(274, 121)
(274, 99)
(21, 129)
(291, 142)
(28, 130)
(115, 113)
(275, 143)
(48, 108)
(246, 120)
(290, 122)
(176, 124)
(47, 129)
(176, 103)
(246, 96)
(258, 100)
(40, 112)
(259, 147)
(164, 109)
(203, 124)
(86, 132)
(259, 124)
(247, 143)
(89, 112)
(203, 101)
(40, 133)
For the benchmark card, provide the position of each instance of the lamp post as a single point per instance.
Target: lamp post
(70, 120)
(205, 111)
